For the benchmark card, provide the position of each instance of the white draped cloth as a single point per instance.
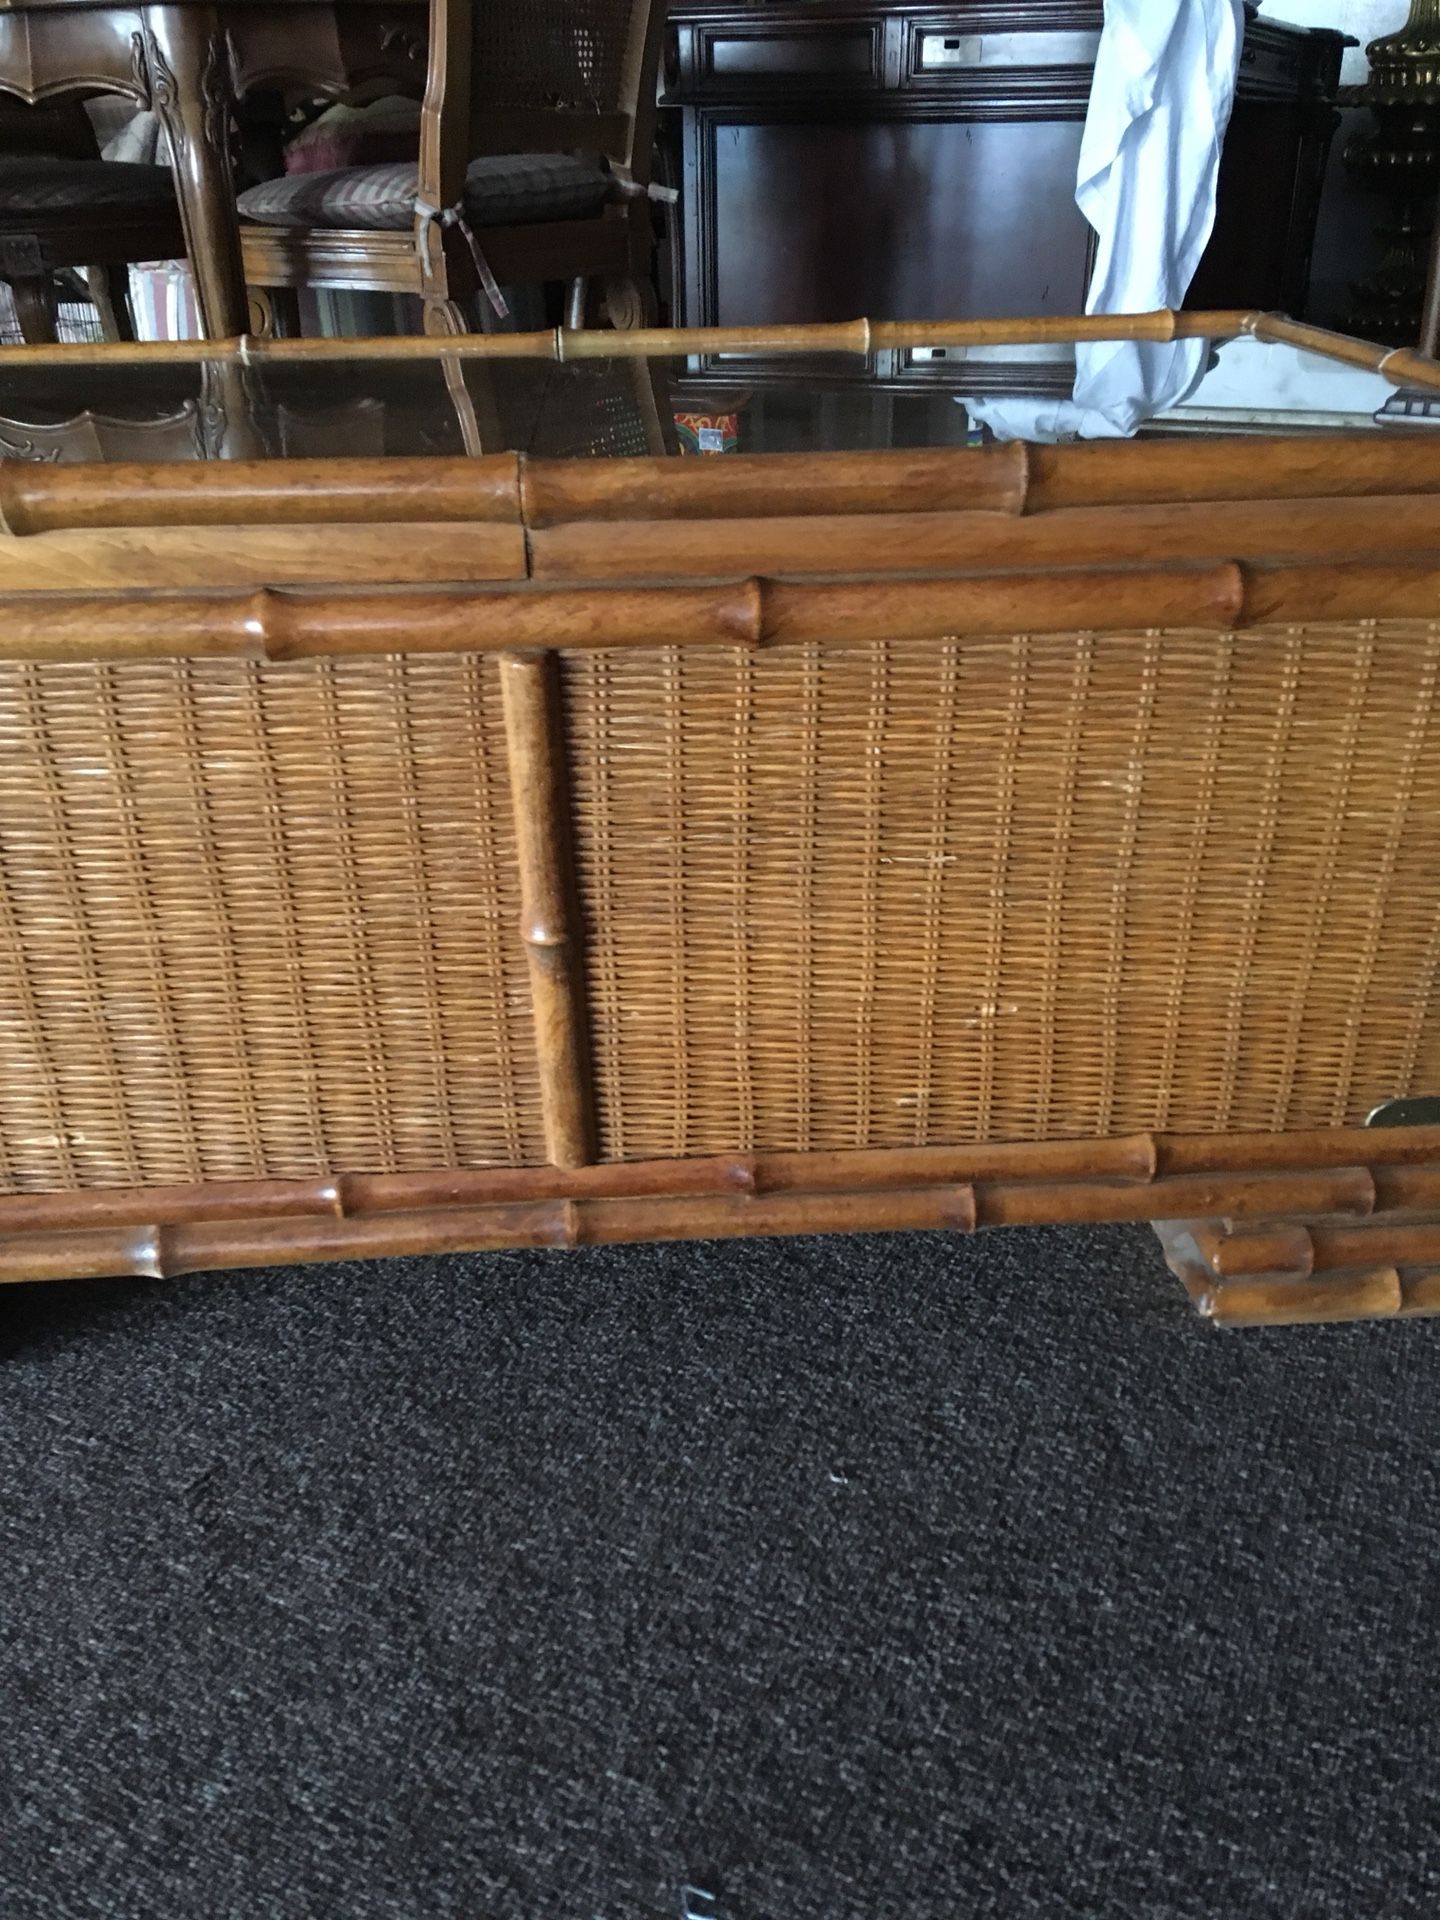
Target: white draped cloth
(1149, 160)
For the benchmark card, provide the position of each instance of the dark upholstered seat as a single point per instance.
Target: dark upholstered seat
(69, 209)
(37, 187)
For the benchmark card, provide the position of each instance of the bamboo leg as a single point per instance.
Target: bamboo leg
(530, 690)
(1301, 1272)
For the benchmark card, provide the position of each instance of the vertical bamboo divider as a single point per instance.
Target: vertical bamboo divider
(535, 742)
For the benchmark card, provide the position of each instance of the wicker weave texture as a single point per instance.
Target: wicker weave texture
(576, 55)
(257, 921)
(587, 410)
(1008, 889)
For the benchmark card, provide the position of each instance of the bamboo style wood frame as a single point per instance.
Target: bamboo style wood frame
(1263, 1228)
(1350, 1173)
(1400, 365)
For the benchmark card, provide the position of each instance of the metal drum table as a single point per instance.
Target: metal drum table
(409, 848)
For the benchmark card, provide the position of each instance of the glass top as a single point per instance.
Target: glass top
(77, 406)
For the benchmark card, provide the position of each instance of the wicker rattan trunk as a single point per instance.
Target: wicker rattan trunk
(407, 854)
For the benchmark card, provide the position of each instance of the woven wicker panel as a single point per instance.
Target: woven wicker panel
(578, 55)
(589, 409)
(1009, 889)
(257, 921)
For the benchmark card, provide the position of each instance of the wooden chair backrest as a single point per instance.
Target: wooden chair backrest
(538, 76)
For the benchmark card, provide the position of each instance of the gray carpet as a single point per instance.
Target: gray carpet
(842, 1579)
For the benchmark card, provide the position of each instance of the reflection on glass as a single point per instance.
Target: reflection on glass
(438, 404)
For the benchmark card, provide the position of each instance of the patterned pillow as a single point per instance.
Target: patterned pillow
(501, 190)
(386, 130)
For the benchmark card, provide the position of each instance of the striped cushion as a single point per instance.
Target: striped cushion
(39, 184)
(501, 190)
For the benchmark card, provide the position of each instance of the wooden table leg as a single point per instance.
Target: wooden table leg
(190, 93)
(110, 292)
(1429, 341)
(37, 310)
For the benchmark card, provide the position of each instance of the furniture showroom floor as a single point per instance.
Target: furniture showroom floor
(837, 1578)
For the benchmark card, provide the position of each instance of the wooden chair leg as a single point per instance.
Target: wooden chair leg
(630, 303)
(110, 291)
(445, 318)
(274, 312)
(471, 438)
(1429, 341)
(37, 309)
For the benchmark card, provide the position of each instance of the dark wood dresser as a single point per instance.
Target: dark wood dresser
(838, 157)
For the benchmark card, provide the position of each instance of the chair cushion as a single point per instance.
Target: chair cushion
(37, 185)
(385, 131)
(501, 190)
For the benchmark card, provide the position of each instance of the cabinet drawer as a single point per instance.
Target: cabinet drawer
(1272, 66)
(935, 51)
(736, 62)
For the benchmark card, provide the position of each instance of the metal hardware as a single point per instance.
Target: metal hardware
(939, 50)
(1420, 1110)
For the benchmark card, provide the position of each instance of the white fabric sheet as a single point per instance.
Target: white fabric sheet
(1159, 106)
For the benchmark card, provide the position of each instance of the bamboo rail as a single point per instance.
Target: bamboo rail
(1382, 1293)
(155, 1249)
(1152, 1165)
(1300, 1251)
(512, 489)
(1349, 1190)
(36, 498)
(1013, 478)
(1401, 366)
(1377, 1295)
(1332, 1271)
(1255, 1250)
(291, 624)
(300, 623)
(530, 692)
(881, 545)
(1408, 1189)
(1380, 1243)
(1378, 1147)
(165, 1232)
(563, 343)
